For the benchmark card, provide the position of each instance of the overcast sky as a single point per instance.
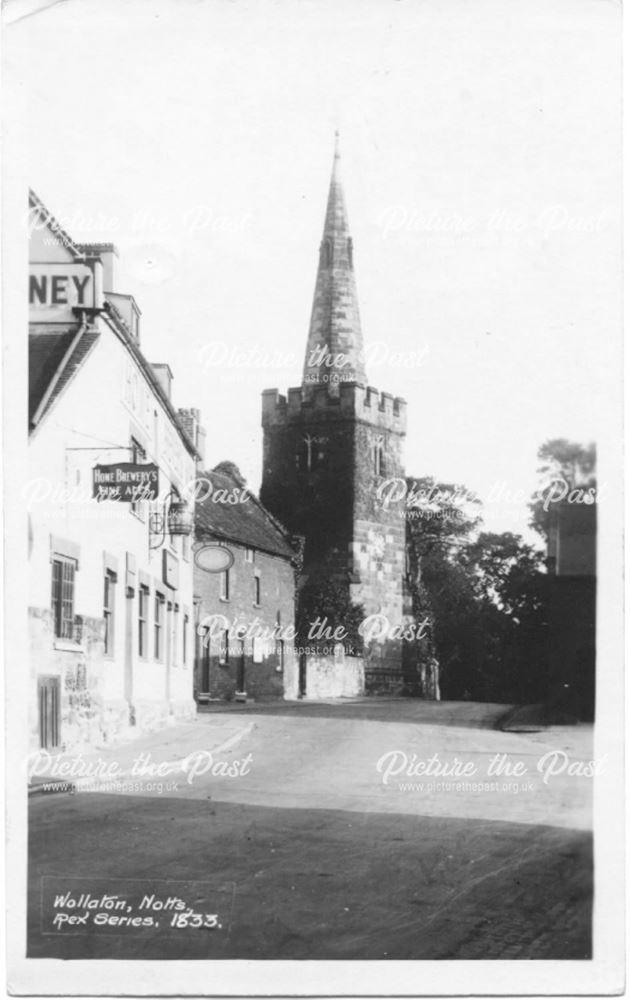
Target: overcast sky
(481, 160)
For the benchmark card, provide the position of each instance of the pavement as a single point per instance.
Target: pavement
(308, 830)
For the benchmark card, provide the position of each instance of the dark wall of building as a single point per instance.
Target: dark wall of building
(572, 614)
(572, 563)
(315, 501)
(264, 679)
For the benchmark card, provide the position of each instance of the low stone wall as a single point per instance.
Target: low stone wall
(334, 676)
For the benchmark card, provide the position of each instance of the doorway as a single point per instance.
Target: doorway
(240, 670)
(48, 697)
(302, 676)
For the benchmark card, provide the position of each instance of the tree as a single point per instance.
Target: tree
(506, 571)
(441, 517)
(510, 576)
(484, 594)
(564, 466)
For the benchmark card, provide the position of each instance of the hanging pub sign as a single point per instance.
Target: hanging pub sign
(127, 482)
(214, 558)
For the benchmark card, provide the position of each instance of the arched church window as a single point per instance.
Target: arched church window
(311, 453)
(378, 455)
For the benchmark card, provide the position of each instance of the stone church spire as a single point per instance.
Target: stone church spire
(335, 330)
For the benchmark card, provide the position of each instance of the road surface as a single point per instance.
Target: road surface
(307, 831)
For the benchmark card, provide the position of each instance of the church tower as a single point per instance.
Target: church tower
(330, 443)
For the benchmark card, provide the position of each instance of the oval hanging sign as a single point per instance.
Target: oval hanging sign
(214, 558)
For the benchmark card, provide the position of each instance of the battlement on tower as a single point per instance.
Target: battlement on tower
(315, 403)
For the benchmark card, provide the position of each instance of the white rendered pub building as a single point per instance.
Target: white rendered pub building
(110, 510)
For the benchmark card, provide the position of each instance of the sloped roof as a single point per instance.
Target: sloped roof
(55, 355)
(247, 523)
(52, 363)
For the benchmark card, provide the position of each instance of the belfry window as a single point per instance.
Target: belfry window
(311, 454)
(378, 455)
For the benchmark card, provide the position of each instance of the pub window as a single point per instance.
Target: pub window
(225, 585)
(143, 622)
(63, 572)
(109, 605)
(158, 626)
(185, 640)
(257, 591)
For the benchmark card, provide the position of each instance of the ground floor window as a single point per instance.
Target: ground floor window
(63, 572)
(109, 605)
(158, 626)
(143, 623)
(224, 651)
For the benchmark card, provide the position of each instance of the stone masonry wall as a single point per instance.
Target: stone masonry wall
(350, 538)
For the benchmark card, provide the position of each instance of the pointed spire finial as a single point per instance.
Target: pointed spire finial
(335, 328)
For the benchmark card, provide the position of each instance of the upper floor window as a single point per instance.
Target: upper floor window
(225, 585)
(257, 591)
(249, 555)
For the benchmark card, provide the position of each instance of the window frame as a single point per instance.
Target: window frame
(378, 456)
(159, 622)
(224, 649)
(109, 612)
(185, 624)
(144, 594)
(63, 620)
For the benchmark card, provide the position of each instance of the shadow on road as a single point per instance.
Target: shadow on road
(463, 714)
(310, 884)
